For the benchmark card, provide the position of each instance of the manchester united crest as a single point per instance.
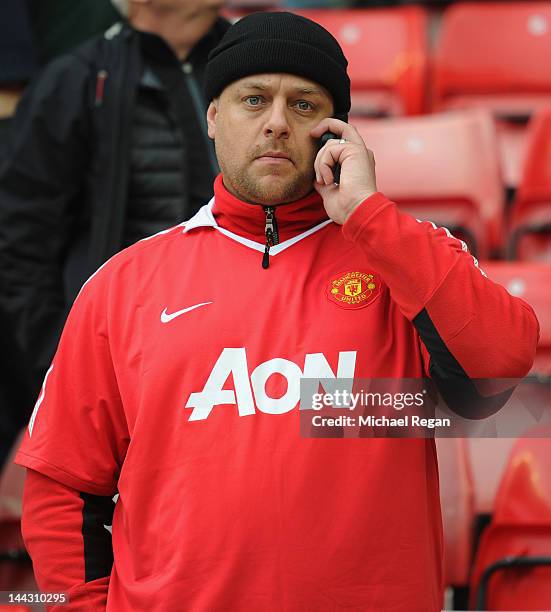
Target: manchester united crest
(353, 289)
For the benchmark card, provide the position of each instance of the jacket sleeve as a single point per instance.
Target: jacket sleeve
(41, 180)
(471, 327)
(65, 534)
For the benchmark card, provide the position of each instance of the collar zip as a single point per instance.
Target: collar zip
(271, 232)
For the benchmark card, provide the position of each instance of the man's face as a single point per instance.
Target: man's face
(261, 128)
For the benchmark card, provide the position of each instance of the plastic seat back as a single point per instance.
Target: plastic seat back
(496, 56)
(488, 459)
(499, 54)
(530, 231)
(443, 168)
(514, 558)
(532, 283)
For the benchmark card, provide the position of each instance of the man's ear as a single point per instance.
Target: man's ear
(212, 111)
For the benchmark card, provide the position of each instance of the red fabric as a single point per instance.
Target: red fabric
(535, 186)
(496, 48)
(520, 527)
(426, 267)
(222, 503)
(52, 530)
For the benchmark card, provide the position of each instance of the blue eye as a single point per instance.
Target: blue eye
(254, 100)
(304, 106)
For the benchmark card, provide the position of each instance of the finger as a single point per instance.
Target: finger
(327, 157)
(334, 141)
(340, 128)
(371, 156)
(321, 188)
(329, 124)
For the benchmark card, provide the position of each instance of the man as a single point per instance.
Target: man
(110, 145)
(177, 378)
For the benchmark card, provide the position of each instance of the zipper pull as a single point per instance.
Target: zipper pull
(270, 235)
(266, 257)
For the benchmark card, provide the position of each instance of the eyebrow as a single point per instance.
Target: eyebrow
(309, 90)
(254, 85)
(297, 90)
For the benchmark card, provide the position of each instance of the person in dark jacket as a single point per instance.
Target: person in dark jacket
(17, 65)
(109, 146)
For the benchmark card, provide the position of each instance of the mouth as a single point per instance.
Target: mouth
(274, 157)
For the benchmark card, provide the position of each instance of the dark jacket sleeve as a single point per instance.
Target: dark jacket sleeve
(65, 535)
(41, 182)
(472, 327)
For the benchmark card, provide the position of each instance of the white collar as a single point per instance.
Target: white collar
(204, 218)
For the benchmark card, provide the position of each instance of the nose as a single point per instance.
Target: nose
(277, 124)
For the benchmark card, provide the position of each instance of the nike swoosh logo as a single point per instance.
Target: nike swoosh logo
(166, 318)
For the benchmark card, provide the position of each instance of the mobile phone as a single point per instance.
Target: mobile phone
(337, 168)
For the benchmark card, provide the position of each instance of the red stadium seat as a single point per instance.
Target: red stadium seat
(496, 56)
(511, 137)
(530, 232)
(456, 496)
(488, 458)
(443, 168)
(387, 56)
(512, 570)
(531, 282)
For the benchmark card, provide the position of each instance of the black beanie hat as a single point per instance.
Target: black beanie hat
(280, 42)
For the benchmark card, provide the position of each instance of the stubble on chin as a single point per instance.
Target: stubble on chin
(268, 190)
